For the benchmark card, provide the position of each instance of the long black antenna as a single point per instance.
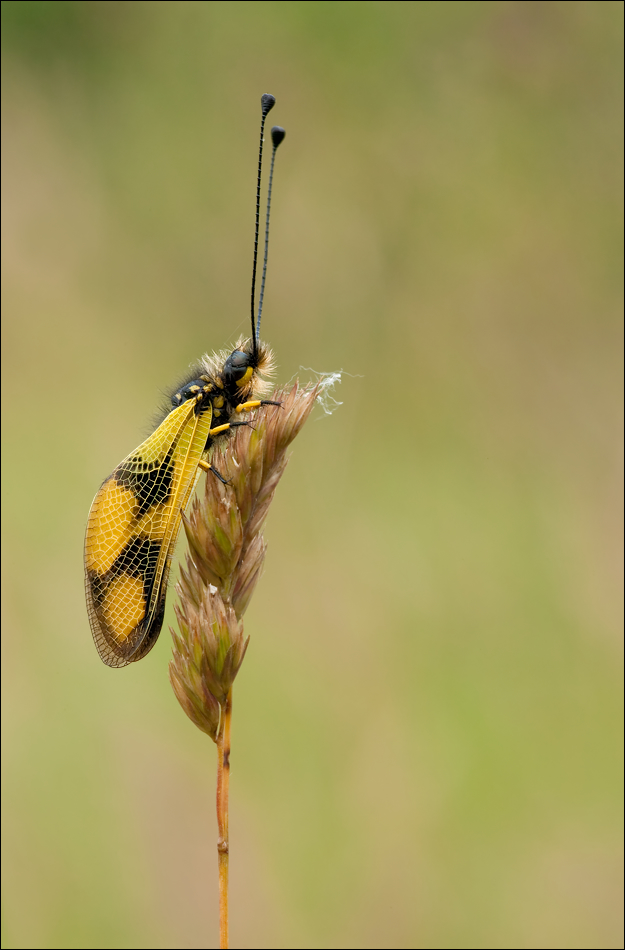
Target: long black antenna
(277, 136)
(267, 102)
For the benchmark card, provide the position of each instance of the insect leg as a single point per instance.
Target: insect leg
(255, 403)
(227, 425)
(207, 467)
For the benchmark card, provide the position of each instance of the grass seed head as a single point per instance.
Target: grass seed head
(226, 555)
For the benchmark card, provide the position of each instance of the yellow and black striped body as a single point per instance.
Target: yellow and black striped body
(135, 516)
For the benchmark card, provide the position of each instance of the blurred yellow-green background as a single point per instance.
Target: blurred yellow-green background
(426, 732)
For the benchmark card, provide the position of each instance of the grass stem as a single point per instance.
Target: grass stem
(223, 843)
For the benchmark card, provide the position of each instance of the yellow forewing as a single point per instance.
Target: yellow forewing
(132, 529)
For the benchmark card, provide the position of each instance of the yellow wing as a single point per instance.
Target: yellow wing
(132, 529)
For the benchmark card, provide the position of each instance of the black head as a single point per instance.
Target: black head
(238, 370)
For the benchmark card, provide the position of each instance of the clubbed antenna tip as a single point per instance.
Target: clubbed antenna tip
(267, 102)
(277, 135)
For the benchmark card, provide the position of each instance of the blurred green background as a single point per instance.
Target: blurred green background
(426, 726)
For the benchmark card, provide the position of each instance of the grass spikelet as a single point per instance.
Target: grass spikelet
(226, 555)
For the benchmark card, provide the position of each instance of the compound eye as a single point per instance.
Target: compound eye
(237, 364)
(239, 359)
